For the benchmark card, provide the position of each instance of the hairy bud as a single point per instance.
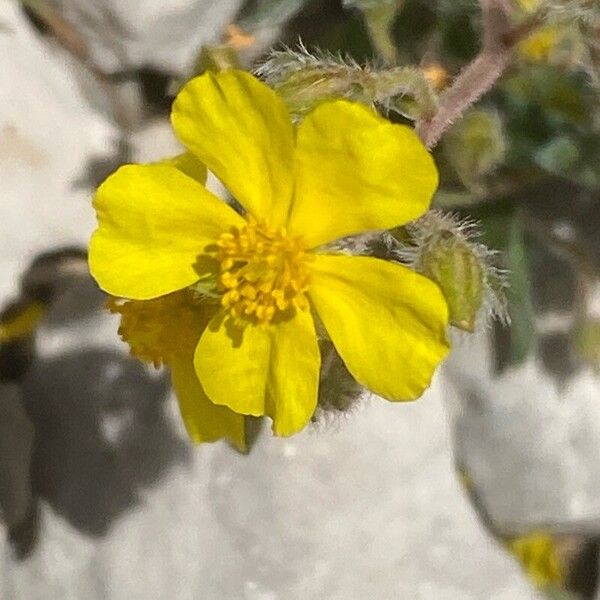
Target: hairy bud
(447, 251)
(304, 79)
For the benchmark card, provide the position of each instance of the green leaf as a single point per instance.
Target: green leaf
(559, 156)
(513, 345)
(379, 16)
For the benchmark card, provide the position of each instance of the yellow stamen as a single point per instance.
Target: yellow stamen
(158, 329)
(262, 272)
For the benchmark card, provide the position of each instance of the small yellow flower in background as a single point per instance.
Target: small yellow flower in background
(21, 322)
(250, 347)
(529, 5)
(539, 46)
(539, 557)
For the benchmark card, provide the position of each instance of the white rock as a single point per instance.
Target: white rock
(47, 135)
(531, 447)
(165, 34)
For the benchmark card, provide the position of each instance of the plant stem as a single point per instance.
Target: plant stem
(500, 37)
(63, 31)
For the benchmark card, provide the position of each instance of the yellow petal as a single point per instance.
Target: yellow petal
(241, 130)
(204, 421)
(188, 164)
(293, 382)
(154, 221)
(271, 370)
(357, 172)
(387, 322)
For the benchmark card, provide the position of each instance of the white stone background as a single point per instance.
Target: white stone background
(367, 508)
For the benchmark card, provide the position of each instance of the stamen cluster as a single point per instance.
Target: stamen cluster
(159, 328)
(263, 272)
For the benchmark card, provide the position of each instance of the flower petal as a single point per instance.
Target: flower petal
(154, 221)
(241, 130)
(357, 172)
(272, 370)
(188, 164)
(293, 382)
(387, 322)
(204, 421)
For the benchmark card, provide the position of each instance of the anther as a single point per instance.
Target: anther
(263, 271)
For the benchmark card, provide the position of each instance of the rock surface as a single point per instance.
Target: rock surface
(48, 136)
(164, 34)
(530, 444)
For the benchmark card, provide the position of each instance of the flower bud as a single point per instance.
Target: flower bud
(453, 265)
(447, 251)
(475, 146)
(305, 79)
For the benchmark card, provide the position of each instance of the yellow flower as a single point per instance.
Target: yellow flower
(163, 238)
(538, 554)
(529, 5)
(539, 46)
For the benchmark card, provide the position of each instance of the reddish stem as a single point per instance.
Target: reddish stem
(478, 77)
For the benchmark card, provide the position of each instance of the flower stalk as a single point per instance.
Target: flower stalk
(477, 78)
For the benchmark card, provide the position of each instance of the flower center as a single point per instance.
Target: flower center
(158, 329)
(262, 272)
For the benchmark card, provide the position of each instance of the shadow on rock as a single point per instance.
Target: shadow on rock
(102, 435)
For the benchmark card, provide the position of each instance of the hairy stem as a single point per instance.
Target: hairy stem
(474, 81)
(499, 39)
